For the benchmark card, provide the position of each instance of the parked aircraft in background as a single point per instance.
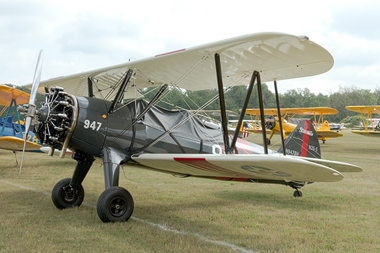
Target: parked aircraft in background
(89, 114)
(287, 114)
(337, 127)
(370, 128)
(11, 134)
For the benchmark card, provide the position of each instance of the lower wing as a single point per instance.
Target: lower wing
(367, 133)
(17, 144)
(269, 167)
(328, 134)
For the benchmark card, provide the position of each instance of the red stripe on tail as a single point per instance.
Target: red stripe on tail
(305, 140)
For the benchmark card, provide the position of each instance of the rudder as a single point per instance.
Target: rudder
(303, 141)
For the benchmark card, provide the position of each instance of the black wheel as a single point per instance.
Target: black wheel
(324, 141)
(297, 193)
(268, 141)
(115, 204)
(64, 197)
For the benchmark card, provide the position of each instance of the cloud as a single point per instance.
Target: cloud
(78, 36)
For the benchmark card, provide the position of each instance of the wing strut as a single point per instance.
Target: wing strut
(279, 117)
(255, 76)
(242, 114)
(90, 87)
(261, 104)
(120, 92)
(222, 103)
(151, 103)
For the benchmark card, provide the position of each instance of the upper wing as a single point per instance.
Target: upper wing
(9, 93)
(365, 109)
(17, 144)
(276, 56)
(269, 167)
(310, 110)
(266, 111)
(301, 111)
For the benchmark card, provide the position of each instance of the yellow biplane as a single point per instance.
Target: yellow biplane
(368, 130)
(271, 126)
(12, 134)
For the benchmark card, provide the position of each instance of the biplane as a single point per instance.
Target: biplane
(272, 125)
(369, 128)
(99, 115)
(11, 133)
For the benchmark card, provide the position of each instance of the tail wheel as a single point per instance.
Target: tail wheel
(297, 193)
(64, 196)
(115, 204)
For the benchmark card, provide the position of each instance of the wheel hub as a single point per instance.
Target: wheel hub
(118, 207)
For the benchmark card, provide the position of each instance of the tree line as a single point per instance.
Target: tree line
(174, 98)
(294, 98)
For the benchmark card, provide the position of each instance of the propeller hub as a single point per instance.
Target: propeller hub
(44, 112)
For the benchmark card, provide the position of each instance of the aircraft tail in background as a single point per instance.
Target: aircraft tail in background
(303, 141)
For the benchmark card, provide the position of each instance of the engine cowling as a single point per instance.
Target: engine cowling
(57, 119)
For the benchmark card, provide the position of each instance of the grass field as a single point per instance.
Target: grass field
(195, 215)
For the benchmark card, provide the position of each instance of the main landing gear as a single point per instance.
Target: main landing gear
(114, 204)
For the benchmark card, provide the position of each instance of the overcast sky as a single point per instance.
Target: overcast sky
(84, 35)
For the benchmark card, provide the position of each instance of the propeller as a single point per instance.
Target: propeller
(30, 109)
(270, 122)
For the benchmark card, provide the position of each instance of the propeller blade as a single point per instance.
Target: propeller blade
(32, 104)
(36, 79)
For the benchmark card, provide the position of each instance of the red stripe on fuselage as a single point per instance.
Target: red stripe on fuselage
(305, 140)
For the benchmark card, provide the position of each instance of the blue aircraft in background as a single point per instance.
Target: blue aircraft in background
(11, 133)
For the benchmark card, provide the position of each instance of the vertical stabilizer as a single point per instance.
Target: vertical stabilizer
(303, 141)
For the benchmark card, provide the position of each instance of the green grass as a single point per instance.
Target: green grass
(200, 215)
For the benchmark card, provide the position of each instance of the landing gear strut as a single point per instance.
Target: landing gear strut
(69, 192)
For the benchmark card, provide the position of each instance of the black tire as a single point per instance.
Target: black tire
(115, 204)
(65, 199)
(268, 141)
(297, 193)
